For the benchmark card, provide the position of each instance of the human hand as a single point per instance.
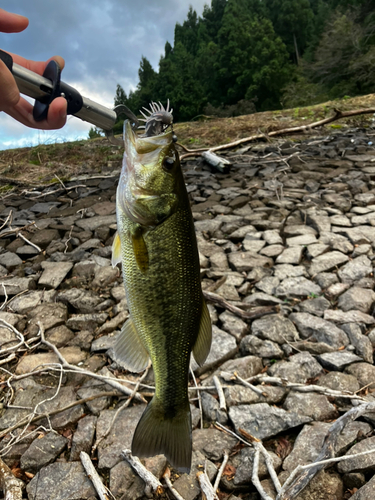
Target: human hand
(10, 100)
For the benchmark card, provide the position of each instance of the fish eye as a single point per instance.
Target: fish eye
(168, 163)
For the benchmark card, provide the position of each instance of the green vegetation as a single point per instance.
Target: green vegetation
(244, 56)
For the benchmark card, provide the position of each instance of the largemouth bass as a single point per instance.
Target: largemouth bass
(168, 317)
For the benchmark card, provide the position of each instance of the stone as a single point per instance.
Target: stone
(297, 287)
(283, 271)
(61, 481)
(252, 245)
(212, 443)
(263, 421)
(339, 382)
(59, 336)
(310, 404)
(326, 262)
(30, 300)
(336, 289)
(337, 360)
(72, 355)
(93, 223)
(307, 446)
(14, 285)
(276, 328)
(311, 327)
(366, 492)
(211, 409)
(299, 368)
(362, 463)
(355, 269)
(86, 321)
(261, 299)
(187, 484)
(54, 273)
(362, 344)
(291, 255)
(364, 372)
(233, 324)
(110, 448)
(245, 261)
(43, 451)
(245, 367)
(263, 348)
(84, 301)
(348, 317)
(49, 315)
(325, 280)
(357, 298)
(125, 483)
(268, 285)
(272, 237)
(44, 237)
(244, 471)
(272, 250)
(316, 249)
(83, 437)
(336, 242)
(305, 239)
(315, 306)
(10, 260)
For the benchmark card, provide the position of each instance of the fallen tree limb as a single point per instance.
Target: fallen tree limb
(152, 483)
(93, 476)
(11, 486)
(217, 299)
(285, 131)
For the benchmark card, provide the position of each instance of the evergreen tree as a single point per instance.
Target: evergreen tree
(120, 97)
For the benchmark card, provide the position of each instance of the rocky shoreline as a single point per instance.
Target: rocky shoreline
(291, 226)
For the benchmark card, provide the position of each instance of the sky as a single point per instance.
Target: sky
(102, 42)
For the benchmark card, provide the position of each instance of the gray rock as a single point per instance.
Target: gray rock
(366, 492)
(314, 306)
(246, 367)
(364, 372)
(10, 260)
(83, 437)
(272, 237)
(268, 285)
(336, 242)
(245, 261)
(61, 481)
(233, 324)
(291, 255)
(252, 245)
(84, 301)
(272, 250)
(187, 484)
(49, 315)
(283, 271)
(72, 355)
(355, 269)
(94, 222)
(59, 335)
(310, 404)
(93, 386)
(43, 451)
(239, 234)
(296, 229)
(357, 298)
(316, 249)
(336, 289)
(14, 285)
(326, 262)
(212, 443)
(263, 348)
(305, 239)
(125, 483)
(337, 360)
(30, 300)
(239, 394)
(110, 448)
(263, 421)
(244, 471)
(307, 446)
(299, 368)
(319, 222)
(86, 321)
(339, 382)
(211, 410)
(362, 344)
(310, 326)
(324, 280)
(297, 287)
(362, 463)
(276, 328)
(261, 299)
(54, 273)
(348, 317)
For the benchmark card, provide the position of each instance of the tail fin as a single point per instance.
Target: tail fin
(156, 434)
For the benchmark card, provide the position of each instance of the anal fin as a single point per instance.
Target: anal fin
(202, 345)
(129, 352)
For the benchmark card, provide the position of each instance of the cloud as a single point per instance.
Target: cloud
(102, 42)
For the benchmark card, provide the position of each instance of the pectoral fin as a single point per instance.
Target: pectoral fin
(116, 250)
(129, 351)
(140, 250)
(202, 345)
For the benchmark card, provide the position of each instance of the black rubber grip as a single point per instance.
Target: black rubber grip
(7, 59)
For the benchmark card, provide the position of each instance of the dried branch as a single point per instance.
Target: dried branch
(167, 479)
(11, 486)
(20, 235)
(206, 486)
(285, 131)
(18, 334)
(261, 311)
(94, 476)
(296, 483)
(255, 477)
(221, 470)
(152, 483)
(113, 382)
(220, 393)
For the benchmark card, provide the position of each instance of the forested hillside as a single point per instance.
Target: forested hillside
(243, 56)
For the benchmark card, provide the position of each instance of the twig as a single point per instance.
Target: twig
(20, 235)
(6, 297)
(199, 398)
(108, 380)
(255, 477)
(217, 299)
(120, 408)
(221, 470)
(295, 484)
(152, 483)
(208, 491)
(167, 479)
(220, 393)
(18, 334)
(11, 486)
(94, 476)
(251, 386)
(25, 420)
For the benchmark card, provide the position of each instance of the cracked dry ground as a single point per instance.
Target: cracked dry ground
(292, 226)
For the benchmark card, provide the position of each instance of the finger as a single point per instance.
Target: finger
(23, 112)
(36, 66)
(9, 95)
(12, 23)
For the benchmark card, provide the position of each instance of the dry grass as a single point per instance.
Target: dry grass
(40, 164)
